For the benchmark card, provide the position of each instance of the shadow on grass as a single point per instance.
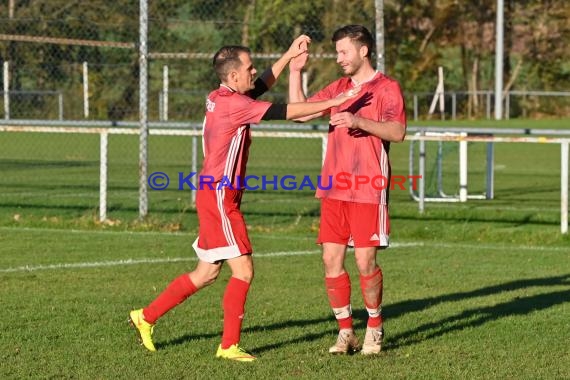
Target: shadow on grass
(324, 326)
(476, 316)
(320, 332)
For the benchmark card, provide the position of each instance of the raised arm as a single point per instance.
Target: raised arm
(296, 66)
(296, 94)
(298, 47)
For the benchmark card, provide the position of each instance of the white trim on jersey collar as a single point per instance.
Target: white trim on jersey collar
(355, 83)
(228, 87)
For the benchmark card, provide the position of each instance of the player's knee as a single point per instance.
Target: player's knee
(366, 266)
(246, 274)
(202, 279)
(211, 278)
(333, 268)
(247, 279)
(242, 268)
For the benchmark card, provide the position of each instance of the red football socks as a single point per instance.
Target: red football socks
(338, 291)
(234, 309)
(175, 293)
(371, 287)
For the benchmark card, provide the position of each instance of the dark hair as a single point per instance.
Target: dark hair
(358, 34)
(227, 59)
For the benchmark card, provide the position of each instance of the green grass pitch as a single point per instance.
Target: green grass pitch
(476, 290)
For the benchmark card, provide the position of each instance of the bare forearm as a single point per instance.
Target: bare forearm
(308, 110)
(296, 95)
(392, 131)
(296, 87)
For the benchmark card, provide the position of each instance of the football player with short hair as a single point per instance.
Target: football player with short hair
(360, 133)
(223, 237)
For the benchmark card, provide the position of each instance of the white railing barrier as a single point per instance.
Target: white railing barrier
(441, 196)
(564, 142)
(422, 138)
(104, 132)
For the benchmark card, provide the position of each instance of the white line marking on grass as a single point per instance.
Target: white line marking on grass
(280, 236)
(101, 264)
(111, 263)
(95, 264)
(429, 244)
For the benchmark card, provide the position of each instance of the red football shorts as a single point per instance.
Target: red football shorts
(355, 224)
(222, 233)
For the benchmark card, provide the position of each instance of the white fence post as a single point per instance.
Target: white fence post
(490, 181)
(85, 90)
(463, 170)
(143, 109)
(60, 105)
(564, 187)
(416, 112)
(165, 93)
(6, 90)
(422, 168)
(103, 177)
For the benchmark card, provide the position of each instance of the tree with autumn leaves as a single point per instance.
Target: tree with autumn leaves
(420, 36)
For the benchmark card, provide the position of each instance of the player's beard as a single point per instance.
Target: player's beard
(352, 68)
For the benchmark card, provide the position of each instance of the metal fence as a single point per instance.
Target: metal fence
(457, 104)
(80, 61)
(86, 65)
(141, 62)
(83, 63)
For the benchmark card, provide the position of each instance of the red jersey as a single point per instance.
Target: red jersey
(352, 153)
(226, 134)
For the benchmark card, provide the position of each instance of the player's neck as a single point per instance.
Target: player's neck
(362, 76)
(228, 87)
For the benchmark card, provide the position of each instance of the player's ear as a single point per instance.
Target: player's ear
(232, 76)
(363, 51)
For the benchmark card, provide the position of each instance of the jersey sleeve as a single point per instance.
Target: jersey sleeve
(393, 107)
(329, 92)
(245, 110)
